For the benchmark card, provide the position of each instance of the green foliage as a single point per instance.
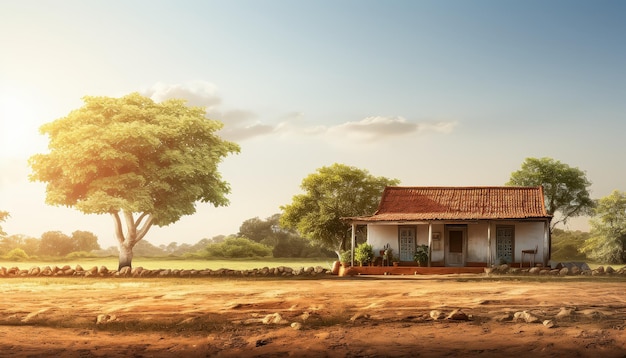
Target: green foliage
(81, 255)
(55, 243)
(363, 253)
(345, 256)
(16, 255)
(236, 247)
(565, 188)
(332, 193)
(146, 249)
(284, 242)
(129, 156)
(4, 215)
(566, 245)
(421, 255)
(608, 230)
(29, 244)
(85, 241)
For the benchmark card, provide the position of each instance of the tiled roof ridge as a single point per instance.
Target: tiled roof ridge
(462, 201)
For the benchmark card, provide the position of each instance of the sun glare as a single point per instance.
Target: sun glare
(19, 136)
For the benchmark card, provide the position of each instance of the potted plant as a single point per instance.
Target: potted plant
(363, 253)
(421, 255)
(345, 258)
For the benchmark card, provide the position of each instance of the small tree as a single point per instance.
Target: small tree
(565, 188)
(329, 194)
(143, 163)
(364, 253)
(608, 230)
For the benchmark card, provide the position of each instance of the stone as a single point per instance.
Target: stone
(548, 323)
(534, 270)
(458, 315)
(103, 270)
(525, 316)
(125, 271)
(436, 314)
(296, 325)
(503, 317)
(105, 318)
(564, 313)
(359, 316)
(564, 271)
(274, 318)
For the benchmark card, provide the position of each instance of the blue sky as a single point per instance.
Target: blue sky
(429, 92)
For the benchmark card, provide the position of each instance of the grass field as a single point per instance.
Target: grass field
(174, 263)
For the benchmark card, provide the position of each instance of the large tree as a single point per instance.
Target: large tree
(331, 193)
(608, 230)
(283, 241)
(143, 163)
(565, 188)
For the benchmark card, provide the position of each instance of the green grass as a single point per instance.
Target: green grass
(173, 263)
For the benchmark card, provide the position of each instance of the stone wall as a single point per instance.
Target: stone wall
(102, 271)
(564, 269)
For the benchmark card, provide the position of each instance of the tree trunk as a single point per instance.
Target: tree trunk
(134, 233)
(126, 256)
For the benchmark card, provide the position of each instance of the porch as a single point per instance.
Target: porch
(408, 270)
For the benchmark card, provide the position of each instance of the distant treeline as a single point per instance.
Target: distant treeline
(256, 238)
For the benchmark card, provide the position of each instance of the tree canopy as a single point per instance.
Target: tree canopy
(142, 162)
(565, 188)
(3, 217)
(608, 230)
(333, 192)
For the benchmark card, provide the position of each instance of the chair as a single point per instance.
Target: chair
(530, 253)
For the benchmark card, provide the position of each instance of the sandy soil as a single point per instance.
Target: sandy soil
(387, 316)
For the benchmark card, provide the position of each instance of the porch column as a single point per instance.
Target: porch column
(489, 253)
(352, 244)
(430, 241)
(547, 244)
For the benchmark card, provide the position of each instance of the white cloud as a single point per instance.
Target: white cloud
(242, 124)
(379, 128)
(197, 93)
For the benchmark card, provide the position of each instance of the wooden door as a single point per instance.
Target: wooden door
(455, 246)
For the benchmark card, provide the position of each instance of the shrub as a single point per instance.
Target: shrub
(234, 247)
(16, 254)
(363, 253)
(81, 255)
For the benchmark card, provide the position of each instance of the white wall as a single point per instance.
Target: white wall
(477, 242)
(380, 235)
(527, 236)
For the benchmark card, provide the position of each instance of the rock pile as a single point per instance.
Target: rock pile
(561, 269)
(103, 271)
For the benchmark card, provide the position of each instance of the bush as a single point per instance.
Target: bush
(16, 254)
(236, 247)
(81, 255)
(364, 253)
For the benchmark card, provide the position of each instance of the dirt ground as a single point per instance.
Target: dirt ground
(388, 316)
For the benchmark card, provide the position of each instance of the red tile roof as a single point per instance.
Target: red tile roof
(458, 203)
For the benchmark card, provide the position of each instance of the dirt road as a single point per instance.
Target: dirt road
(338, 317)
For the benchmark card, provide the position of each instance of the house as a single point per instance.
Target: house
(462, 226)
